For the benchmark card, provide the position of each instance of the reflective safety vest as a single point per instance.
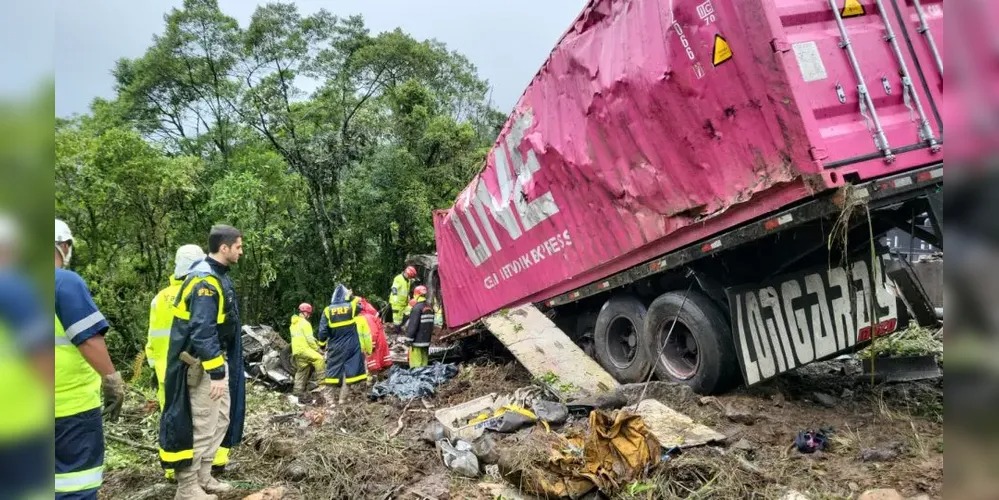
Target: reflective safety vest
(343, 314)
(77, 385)
(399, 297)
(158, 338)
(302, 340)
(20, 387)
(364, 334)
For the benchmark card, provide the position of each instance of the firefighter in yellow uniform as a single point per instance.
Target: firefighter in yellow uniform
(160, 321)
(399, 296)
(309, 362)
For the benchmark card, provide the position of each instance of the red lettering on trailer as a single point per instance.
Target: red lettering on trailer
(881, 329)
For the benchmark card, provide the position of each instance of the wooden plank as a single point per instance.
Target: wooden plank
(543, 348)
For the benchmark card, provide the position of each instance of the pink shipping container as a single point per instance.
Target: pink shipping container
(656, 124)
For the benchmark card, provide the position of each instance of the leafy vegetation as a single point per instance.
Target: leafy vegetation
(327, 145)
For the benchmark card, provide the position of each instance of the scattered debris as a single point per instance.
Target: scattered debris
(615, 451)
(295, 471)
(551, 412)
(407, 384)
(903, 369)
(543, 348)
(459, 457)
(811, 441)
(507, 418)
(673, 428)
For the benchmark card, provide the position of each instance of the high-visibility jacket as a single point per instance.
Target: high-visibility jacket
(77, 384)
(206, 325)
(158, 338)
(399, 298)
(364, 334)
(20, 387)
(302, 340)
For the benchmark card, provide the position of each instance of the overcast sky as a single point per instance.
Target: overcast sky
(507, 41)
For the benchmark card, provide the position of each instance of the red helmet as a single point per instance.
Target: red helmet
(420, 290)
(305, 308)
(410, 272)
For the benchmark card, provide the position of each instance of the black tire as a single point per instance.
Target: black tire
(617, 339)
(700, 351)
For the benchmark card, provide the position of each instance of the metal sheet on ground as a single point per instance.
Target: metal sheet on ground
(542, 347)
(673, 428)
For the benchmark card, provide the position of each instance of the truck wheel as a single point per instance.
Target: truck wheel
(617, 339)
(699, 352)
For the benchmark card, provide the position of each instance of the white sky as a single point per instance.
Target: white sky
(507, 41)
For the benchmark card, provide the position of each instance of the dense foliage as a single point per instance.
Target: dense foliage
(329, 146)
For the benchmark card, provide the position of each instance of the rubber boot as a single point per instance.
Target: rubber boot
(188, 487)
(343, 393)
(209, 483)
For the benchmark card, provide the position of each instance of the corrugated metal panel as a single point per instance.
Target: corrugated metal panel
(652, 125)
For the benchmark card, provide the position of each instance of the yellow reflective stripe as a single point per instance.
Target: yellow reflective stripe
(176, 456)
(79, 481)
(338, 324)
(349, 380)
(180, 306)
(221, 456)
(213, 363)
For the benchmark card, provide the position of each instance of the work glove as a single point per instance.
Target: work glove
(113, 389)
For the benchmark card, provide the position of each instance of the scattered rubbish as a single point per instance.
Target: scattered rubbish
(407, 384)
(883, 454)
(810, 441)
(670, 454)
(459, 457)
(743, 445)
(881, 494)
(485, 449)
(543, 348)
(847, 394)
(672, 428)
(551, 412)
(455, 419)
(507, 418)
(825, 399)
(616, 451)
(434, 432)
(606, 401)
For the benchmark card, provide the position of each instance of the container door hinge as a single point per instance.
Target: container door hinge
(779, 45)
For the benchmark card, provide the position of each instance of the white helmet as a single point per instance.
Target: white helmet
(62, 235)
(62, 232)
(186, 256)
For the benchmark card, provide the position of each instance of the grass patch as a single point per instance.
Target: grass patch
(915, 341)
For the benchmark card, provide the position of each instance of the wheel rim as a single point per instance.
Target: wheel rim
(680, 355)
(622, 342)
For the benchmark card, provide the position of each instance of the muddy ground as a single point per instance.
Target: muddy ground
(883, 436)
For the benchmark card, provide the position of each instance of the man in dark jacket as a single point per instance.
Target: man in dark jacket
(420, 329)
(202, 412)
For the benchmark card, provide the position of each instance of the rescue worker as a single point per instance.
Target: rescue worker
(399, 296)
(339, 330)
(309, 362)
(205, 388)
(380, 357)
(420, 329)
(26, 371)
(161, 318)
(83, 371)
